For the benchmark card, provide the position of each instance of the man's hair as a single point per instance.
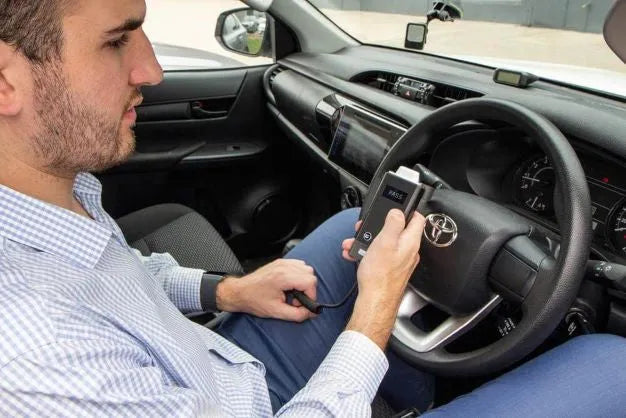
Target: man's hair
(33, 27)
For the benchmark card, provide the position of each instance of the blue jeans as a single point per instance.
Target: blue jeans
(580, 377)
(586, 377)
(292, 352)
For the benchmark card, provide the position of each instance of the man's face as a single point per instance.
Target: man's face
(84, 104)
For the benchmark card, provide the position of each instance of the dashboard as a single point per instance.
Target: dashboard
(347, 109)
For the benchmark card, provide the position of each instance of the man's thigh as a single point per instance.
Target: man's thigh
(585, 377)
(292, 352)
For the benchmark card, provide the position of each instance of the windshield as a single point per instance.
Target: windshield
(558, 40)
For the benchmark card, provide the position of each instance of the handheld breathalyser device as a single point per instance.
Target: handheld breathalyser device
(400, 190)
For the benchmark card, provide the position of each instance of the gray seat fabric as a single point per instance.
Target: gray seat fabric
(182, 232)
(381, 409)
(193, 242)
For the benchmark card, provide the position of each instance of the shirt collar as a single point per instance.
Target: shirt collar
(55, 230)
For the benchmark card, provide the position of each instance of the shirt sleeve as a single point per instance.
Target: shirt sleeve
(181, 284)
(345, 383)
(93, 378)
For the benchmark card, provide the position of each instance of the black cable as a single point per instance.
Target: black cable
(317, 307)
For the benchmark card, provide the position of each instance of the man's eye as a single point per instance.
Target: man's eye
(118, 43)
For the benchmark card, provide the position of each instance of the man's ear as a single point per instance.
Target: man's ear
(10, 97)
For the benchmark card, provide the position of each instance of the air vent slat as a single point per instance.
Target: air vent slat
(274, 73)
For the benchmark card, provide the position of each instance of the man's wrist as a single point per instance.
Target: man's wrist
(374, 316)
(227, 294)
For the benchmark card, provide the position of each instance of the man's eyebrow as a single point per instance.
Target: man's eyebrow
(129, 25)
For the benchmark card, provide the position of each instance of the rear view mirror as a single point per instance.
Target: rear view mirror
(244, 31)
(444, 11)
(416, 34)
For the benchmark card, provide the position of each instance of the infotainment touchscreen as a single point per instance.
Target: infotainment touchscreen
(361, 141)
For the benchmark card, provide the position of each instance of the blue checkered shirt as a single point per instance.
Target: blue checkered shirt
(89, 327)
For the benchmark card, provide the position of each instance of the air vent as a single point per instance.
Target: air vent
(443, 93)
(386, 81)
(382, 81)
(454, 94)
(274, 73)
(268, 81)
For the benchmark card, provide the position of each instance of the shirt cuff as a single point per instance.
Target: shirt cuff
(184, 289)
(357, 359)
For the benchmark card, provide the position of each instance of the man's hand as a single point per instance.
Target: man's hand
(383, 275)
(262, 293)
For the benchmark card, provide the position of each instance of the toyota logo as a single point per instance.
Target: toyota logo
(440, 230)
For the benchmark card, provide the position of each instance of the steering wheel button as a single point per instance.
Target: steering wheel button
(512, 276)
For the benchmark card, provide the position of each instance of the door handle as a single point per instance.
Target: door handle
(198, 112)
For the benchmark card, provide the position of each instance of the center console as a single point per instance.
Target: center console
(348, 137)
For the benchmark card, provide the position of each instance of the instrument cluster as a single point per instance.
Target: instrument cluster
(534, 184)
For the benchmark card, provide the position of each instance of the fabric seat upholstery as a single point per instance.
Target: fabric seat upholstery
(182, 232)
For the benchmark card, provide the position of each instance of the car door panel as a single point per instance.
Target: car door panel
(233, 165)
(180, 86)
(199, 117)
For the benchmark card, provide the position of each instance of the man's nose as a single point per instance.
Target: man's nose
(146, 69)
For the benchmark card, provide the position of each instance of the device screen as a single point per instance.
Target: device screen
(508, 77)
(394, 194)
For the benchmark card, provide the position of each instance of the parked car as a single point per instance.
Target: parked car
(234, 33)
(262, 24)
(251, 23)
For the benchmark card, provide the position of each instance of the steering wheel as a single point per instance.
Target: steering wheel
(476, 253)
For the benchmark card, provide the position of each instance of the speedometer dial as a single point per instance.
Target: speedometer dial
(536, 185)
(617, 228)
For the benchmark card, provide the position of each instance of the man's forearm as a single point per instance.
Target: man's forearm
(374, 316)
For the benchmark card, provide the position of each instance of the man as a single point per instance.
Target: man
(90, 327)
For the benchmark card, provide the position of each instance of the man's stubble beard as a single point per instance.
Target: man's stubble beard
(72, 137)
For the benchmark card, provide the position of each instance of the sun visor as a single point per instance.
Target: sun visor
(615, 29)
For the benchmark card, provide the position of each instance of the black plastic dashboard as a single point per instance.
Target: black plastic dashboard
(307, 92)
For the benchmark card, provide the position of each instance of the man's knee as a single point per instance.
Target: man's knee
(348, 215)
(325, 241)
(342, 223)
